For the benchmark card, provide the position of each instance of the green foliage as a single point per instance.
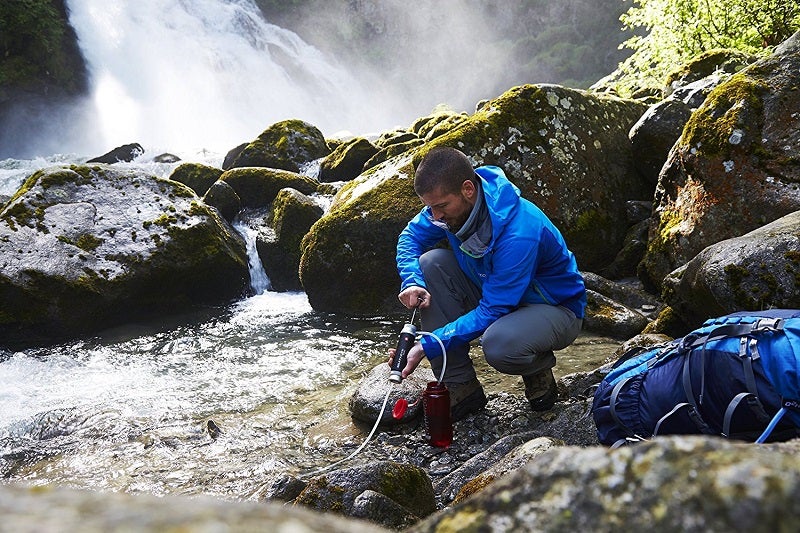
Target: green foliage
(671, 32)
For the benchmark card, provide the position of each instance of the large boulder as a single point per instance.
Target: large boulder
(759, 270)
(197, 176)
(732, 170)
(258, 187)
(655, 133)
(568, 151)
(667, 484)
(85, 247)
(347, 262)
(288, 145)
(347, 160)
(291, 215)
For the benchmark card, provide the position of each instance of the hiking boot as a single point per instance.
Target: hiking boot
(465, 398)
(541, 390)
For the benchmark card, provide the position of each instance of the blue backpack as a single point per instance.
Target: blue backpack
(736, 376)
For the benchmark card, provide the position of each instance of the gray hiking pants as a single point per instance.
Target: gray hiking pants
(519, 343)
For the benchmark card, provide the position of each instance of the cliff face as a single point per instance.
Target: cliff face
(41, 70)
(39, 54)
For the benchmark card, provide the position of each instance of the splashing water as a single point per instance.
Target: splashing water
(259, 281)
(206, 73)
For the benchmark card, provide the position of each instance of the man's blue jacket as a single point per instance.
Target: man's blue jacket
(527, 262)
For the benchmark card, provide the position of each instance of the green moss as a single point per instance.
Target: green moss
(746, 293)
(707, 63)
(88, 242)
(735, 104)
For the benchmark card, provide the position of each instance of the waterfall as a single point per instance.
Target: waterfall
(259, 281)
(205, 74)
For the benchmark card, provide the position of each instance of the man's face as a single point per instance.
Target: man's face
(453, 209)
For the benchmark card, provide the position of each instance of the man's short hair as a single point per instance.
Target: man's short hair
(443, 168)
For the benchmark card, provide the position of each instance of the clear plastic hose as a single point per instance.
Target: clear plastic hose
(383, 408)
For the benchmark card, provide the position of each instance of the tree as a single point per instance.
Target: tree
(671, 32)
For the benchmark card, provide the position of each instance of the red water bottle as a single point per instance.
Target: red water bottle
(436, 406)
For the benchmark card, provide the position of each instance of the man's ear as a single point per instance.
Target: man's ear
(468, 189)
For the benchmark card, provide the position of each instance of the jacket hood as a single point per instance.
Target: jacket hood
(502, 196)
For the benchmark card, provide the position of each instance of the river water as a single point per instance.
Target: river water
(128, 410)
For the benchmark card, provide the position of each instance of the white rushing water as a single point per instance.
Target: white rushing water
(206, 74)
(128, 410)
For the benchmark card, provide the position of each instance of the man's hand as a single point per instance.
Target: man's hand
(415, 297)
(415, 355)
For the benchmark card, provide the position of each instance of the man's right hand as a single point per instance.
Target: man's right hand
(415, 296)
(415, 356)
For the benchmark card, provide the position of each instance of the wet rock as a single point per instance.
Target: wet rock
(292, 213)
(758, 270)
(287, 145)
(230, 157)
(258, 187)
(365, 403)
(197, 176)
(224, 198)
(699, 484)
(406, 485)
(87, 247)
(45, 508)
(347, 160)
(166, 158)
(124, 153)
(608, 317)
(284, 488)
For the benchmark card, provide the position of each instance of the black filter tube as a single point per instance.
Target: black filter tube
(404, 344)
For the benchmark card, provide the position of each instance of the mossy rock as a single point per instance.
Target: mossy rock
(394, 137)
(347, 160)
(707, 63)
(393, 150)
(758, 270)
(439, 125)
(347, 262)
(88, 247)
(405, 484)
(568, 151)
(197, 176)
(730, 172)
(258, 186)
(288, 145)
(292, 215)
(224, 199)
